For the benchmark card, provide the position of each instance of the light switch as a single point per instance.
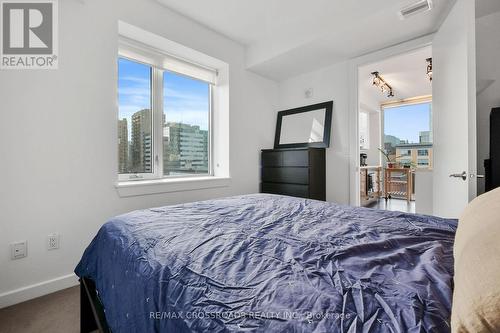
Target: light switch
(18, 250)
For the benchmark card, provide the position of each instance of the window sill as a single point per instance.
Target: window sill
(157, 186)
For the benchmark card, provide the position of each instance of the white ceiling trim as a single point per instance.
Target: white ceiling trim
(284, 38)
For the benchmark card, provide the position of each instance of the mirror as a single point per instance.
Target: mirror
(307, 126)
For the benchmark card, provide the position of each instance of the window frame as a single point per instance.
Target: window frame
(210, 172)
(427, 99)
(140, 175)
(157, 110)
(423, 162)
(425, 154)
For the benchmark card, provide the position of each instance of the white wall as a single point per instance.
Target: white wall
(329, 83)
(373, 154)
(423, 191)
(58, 138)
(488, 80)
(375, 139)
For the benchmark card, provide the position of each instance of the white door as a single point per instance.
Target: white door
(454, 111)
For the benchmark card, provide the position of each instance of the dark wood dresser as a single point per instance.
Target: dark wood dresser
(297, 172)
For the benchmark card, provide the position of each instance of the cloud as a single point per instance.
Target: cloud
(136, 80)
(188, 107)
(134, 96)
(174, 93)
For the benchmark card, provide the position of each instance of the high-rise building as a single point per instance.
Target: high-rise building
(425, 137)
(185, 149)
(122, 146)
(141, 147)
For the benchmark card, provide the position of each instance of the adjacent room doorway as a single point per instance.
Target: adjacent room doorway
(453, 90)
(395, 132)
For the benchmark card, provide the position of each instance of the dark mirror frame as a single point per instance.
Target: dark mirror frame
(326, 134)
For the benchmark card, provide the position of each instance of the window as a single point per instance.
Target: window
(186, 117)
(164, 123)
(408, 124)
(135, 129)
(423, 162)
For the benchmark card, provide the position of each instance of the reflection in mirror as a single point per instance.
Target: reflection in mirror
(303, 127)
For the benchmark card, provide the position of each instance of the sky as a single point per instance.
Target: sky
(186, 100)
(406, 122)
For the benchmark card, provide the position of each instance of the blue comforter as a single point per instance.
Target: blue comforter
(269, 263)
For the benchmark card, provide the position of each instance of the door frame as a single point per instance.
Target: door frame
(354, 64)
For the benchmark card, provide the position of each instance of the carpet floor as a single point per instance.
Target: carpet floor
(55, 313)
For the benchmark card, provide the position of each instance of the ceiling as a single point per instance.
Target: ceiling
(284, 38)
(486, 7)
(405, 73)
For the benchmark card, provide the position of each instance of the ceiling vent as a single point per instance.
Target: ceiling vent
(415, 8)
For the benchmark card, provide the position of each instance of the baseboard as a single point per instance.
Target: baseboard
(36, 290)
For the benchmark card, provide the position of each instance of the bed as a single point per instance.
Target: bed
(270, 263)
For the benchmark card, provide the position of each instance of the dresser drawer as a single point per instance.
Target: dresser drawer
(293, 175)
(297, 172)
(295, 158)
(272, 158)
(293, 190)
(288, 158)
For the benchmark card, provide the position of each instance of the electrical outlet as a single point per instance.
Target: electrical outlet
(52, 242)
(18, 250)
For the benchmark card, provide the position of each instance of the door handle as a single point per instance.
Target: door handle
(462, 175)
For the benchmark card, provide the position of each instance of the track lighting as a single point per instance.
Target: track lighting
(380, 83)
(429, 68)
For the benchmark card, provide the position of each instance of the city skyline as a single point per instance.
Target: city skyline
(185, 147)
(186, 105)
(185, 100)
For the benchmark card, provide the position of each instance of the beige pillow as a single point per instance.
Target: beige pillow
(476, 297)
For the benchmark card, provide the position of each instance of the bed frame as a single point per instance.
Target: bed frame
(92, 317)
